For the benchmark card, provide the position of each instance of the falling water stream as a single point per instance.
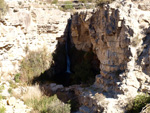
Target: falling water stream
(67, 41)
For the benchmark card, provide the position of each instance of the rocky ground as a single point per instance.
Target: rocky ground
(27, 25)
(118, 33)
(8, 101)
(31, 25)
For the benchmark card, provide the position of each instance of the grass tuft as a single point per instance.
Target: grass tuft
(48, 105)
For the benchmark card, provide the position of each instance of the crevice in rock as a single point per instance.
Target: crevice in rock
(84, 66)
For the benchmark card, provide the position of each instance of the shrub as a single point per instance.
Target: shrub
(17, 77)
(101, 2)
(34, 64)
(2, 109)
(54, 1)
(68, 5)
(138, 103)
(48, 105)
(10, 90)
(83, 1)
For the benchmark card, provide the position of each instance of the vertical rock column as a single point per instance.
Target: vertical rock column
(106, 34)
(110, 42)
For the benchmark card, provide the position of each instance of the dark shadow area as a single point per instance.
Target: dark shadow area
(67, 96)
(83, 65)
(143, 56)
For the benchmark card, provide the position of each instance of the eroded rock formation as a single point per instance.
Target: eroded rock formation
(28, 24)
(119, 35)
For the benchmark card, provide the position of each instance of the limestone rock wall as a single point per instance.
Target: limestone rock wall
(105, 33)
(118, 33)
(28, 23)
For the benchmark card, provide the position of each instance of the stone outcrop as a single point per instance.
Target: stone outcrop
(31, 24)
(118, 33)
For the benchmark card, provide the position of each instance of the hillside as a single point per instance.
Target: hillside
(81, 60)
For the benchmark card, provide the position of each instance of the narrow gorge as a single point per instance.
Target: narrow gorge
(97, 60)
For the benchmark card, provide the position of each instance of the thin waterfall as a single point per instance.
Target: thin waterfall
(67, 41)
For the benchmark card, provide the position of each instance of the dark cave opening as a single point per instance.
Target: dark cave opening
(84, 66)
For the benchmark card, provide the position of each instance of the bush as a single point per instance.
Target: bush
(138, 103)
(48, 105)
(34, 64)
(17, 77)
(54, 1)
(10, 90)
(83, 1)
(68, 5)
(101, 2)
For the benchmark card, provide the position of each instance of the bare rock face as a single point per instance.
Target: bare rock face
(118, 33)
(28, 24)
(143, 4)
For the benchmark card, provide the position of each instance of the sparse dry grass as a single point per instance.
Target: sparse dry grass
(44, 104)
(33, 92)
(34, 64)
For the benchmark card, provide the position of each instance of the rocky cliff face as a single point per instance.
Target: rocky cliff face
(29, 24)
(119, 35)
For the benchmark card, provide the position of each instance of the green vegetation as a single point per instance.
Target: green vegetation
(2, 109)
(3, 7)
(48, 105)
(68, 5)
(17, 77)
(54, 1)
(10, 90)
(1, 88)
(136, 105)
(83, 1)
(1, 97)
(101, 2)
(34, 64)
